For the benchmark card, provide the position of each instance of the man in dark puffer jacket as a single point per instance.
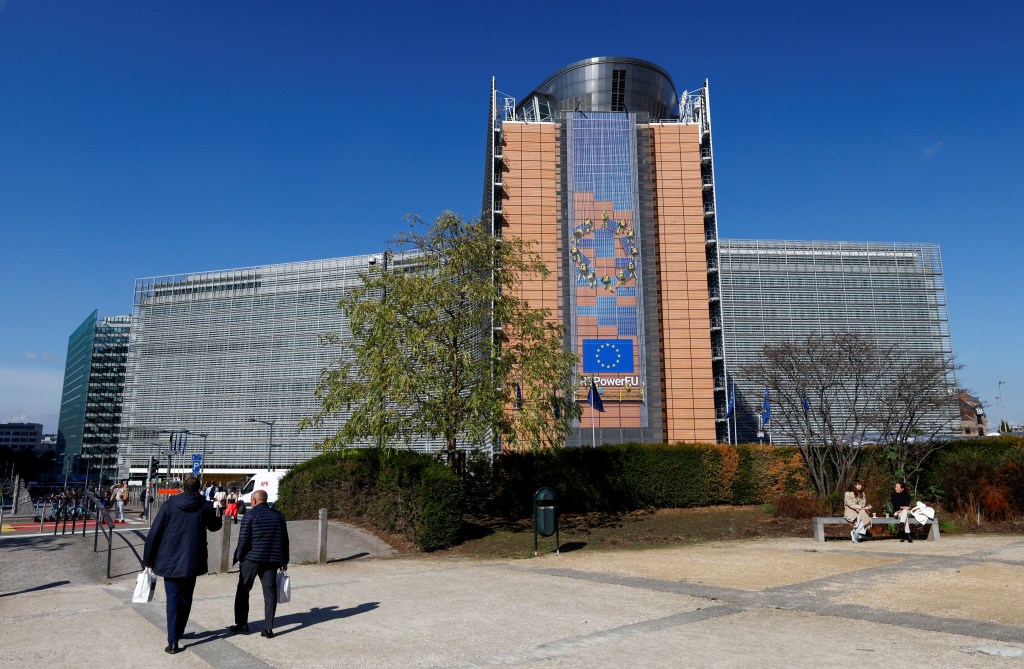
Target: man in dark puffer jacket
(262, 549)
(176, 550)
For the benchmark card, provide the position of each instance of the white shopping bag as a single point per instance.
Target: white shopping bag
(284, 587)
(145, 586)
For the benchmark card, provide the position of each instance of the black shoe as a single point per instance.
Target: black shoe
(172, 649)
(903, 537)
(239, 629)
(910, 538)
(267, 633)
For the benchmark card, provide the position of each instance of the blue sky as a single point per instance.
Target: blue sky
(147, 138)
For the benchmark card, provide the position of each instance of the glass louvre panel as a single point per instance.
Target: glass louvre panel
(783, 290)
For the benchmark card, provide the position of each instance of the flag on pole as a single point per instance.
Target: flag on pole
(766, 409)
(731, 406)
(519, 396)
(806, 403)
(594, 397)
(555, 409)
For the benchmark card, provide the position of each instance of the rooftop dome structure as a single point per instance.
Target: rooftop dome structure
(603, 84)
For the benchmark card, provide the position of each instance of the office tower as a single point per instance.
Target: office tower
(774, 291)
(90, 410)
(21, 436)
(226, 353)
(608, 171)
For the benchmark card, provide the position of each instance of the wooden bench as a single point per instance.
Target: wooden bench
(820, 522)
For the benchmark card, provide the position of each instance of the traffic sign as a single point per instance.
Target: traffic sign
(197, 463)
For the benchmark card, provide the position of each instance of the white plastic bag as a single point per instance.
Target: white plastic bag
(284, 587)
(145, 586)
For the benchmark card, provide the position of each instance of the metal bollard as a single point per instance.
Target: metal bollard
(225, 547)
(110, 547)
(321, 541)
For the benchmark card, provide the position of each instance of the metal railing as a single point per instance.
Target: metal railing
(104, 513)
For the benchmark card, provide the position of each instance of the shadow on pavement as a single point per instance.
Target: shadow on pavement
(47, 586)
(354, 556)
(319, 615)
(199, 638)
(572, 546)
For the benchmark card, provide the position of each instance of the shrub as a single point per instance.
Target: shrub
(636, 476)
(982, 476)
(394, 491)
(799, 506)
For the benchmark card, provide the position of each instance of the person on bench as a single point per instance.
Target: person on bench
(901, 509)
(856, 511)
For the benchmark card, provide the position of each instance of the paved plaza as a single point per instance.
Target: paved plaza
(958, 602)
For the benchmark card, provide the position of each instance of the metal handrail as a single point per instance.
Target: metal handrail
(108, 532)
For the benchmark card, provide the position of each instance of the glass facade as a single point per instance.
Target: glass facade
(212, 351)
(774, 291)
(604, 261)
(90, 412)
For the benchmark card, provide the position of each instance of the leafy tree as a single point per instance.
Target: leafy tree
(833, 393)
(440, 341)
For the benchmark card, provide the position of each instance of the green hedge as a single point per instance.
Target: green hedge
(636, 476)
(983, 476)
(395, 491)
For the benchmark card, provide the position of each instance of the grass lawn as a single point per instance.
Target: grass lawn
(499, 538)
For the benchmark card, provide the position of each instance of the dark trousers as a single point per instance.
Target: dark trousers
(247, 573)
(179, 605)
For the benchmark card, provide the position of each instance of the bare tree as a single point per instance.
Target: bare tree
(920, 389)
(830, 394)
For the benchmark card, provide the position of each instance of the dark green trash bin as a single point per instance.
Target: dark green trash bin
(545, 516)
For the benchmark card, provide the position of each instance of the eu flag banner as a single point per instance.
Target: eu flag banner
(594, 397)
(608, 355)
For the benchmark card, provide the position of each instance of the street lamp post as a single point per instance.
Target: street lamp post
(270, 439)
(999, 404)
(68, 458)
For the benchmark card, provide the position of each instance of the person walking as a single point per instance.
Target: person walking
(176, 550)
(232, 502)
(262, 550)
(120, 495)
(219, 498)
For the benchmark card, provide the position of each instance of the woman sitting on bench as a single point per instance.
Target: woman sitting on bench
(901, 509)
(856, 512)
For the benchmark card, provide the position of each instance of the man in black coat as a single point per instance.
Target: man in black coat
(262, 549)
(176, 550)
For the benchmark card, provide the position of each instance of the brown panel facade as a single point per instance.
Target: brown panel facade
(531, 205)
(688, 384)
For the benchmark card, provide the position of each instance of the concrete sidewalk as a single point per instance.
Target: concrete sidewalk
(761, 603)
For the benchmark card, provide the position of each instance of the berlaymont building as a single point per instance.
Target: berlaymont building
(608, 168)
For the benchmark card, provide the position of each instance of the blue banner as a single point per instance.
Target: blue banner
(608, 355)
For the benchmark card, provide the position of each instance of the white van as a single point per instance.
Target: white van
(264, 479)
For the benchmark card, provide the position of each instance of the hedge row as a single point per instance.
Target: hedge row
(395, 491)
(983, 477)
(636, 476)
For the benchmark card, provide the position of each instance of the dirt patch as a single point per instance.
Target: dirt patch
(987, 592)
(748, 565)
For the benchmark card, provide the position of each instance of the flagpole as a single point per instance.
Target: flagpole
(735, 437)
(593, 428)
